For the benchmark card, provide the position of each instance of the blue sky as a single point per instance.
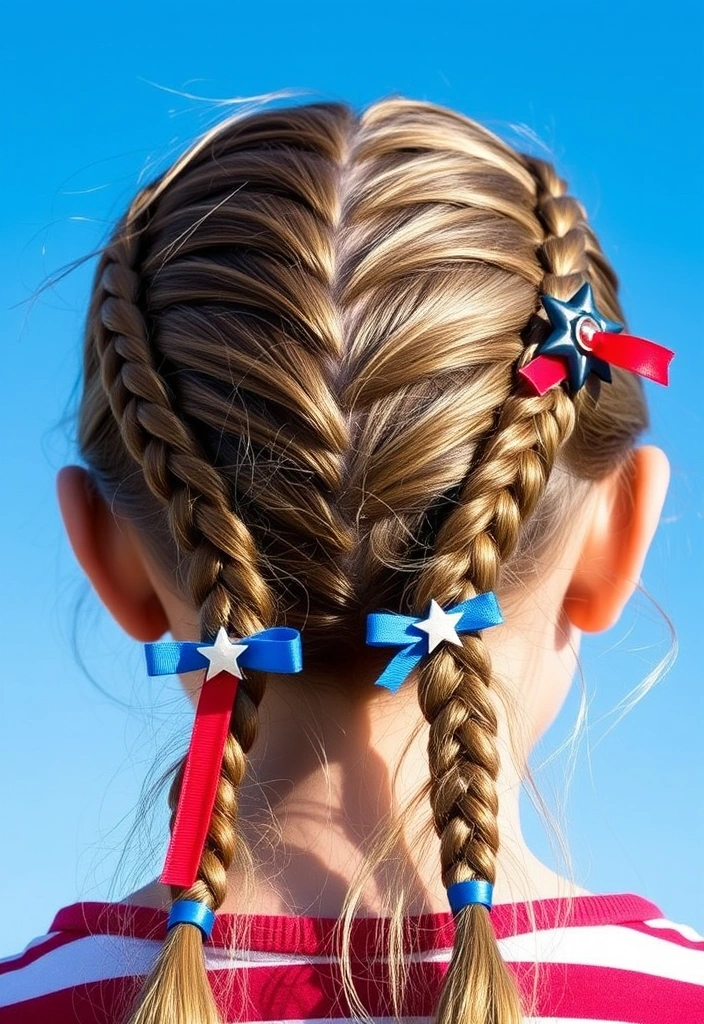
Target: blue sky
(97, 97)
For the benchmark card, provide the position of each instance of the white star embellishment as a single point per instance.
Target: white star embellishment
(222, 655)
(439, 626)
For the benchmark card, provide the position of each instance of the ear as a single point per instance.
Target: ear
(107, 553)
(625, 517)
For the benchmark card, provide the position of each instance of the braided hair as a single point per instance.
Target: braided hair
(300, 385)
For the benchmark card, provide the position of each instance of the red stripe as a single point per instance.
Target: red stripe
(36, 952)
(563, 990)
(671, 935)
(105, 1002)
(314, 991)
(607, 993)
(315, 935)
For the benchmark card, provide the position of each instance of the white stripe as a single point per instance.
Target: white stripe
(93, 958)
(608, 946)
(99, 957)
(598, 946)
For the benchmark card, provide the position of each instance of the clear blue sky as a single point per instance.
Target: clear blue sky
(614, 91)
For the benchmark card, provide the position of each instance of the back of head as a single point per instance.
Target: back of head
(300, 385)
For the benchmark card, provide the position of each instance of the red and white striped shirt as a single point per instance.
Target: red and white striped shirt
(601, 958)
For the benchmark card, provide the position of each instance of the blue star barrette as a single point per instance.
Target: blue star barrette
(583, 342)
(419, 637)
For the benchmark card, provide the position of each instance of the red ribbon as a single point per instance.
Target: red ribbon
(544, 372)
(201, 775)
(645, 358)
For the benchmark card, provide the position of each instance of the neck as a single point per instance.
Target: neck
(328, 769)
(333, 762)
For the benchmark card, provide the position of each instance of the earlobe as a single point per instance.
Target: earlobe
(623, 523)
(107, 553)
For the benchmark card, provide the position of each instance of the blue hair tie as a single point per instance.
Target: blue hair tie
(464, 894)
(192, 912)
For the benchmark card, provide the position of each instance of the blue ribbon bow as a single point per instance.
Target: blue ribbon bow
(389, 629)
(273, 650)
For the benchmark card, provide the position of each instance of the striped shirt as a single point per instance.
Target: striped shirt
(592, 958)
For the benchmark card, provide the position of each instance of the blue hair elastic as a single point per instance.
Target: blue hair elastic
(192, 912)
(464, 894)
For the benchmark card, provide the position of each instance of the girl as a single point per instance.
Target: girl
(357, 387)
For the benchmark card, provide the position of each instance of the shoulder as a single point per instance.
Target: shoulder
(610, 958)
(78, 963)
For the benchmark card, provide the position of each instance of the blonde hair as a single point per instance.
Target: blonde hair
(300, 384)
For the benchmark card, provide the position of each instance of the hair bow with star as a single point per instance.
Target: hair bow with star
(272, 650)
(583, 342)
(419, 637)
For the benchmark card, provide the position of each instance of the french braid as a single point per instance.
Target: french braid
(473, 544)
(221, 567)
(220, 561)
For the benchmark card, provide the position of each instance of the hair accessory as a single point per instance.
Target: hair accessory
(464, 894)
(584, 342)
(417, 637)
(273, 650)
(192, 912)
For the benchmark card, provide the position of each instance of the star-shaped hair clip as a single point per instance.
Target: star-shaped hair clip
(583, 342)
(222, 655)
(440, 625)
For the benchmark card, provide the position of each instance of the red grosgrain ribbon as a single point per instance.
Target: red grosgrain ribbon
(272, 650)
(201, 775)
(635, 354)
(645, 358)
(544, 372)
